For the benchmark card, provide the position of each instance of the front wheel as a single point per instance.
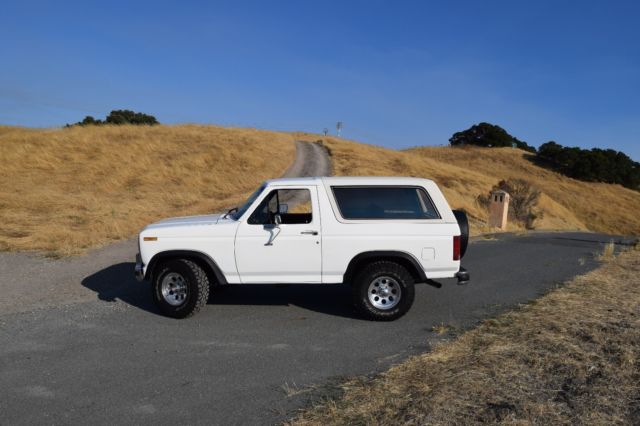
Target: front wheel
(180, 288)
(383, 291)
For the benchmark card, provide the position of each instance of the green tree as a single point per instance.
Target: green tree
(488, 135)
(89, 120)
(594, 165)
(119, 116)
(125, 116)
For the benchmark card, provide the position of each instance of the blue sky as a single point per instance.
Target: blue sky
(397, 74)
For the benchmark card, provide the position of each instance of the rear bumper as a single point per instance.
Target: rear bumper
(463, 276)
(139, 268)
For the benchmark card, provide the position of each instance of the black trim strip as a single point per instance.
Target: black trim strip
(220, 278)
(385, 254)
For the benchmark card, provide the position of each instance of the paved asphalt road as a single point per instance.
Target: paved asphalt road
(115, 360)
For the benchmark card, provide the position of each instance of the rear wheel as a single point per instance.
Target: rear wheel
(180, 288)
(383, 291)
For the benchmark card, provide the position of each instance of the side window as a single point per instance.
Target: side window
(293, 206)
(384, 202)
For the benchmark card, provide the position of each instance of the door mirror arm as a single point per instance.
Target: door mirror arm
(275, 229)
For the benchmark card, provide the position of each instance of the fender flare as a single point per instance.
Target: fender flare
(204, 260)
(405, 259)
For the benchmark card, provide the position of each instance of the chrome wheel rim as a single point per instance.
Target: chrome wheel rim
(174, 289)
(384, 293)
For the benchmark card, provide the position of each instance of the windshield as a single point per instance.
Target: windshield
(238, 214)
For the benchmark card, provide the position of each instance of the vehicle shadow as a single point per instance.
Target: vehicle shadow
(328, 299)
(117, 282)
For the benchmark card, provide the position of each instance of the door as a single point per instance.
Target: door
(280, 241)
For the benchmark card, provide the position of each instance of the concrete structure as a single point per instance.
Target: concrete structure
(499, 209)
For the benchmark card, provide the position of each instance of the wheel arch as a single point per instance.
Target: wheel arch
(403, 258)
(201, 259)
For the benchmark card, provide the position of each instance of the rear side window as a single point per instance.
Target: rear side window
(384, 202)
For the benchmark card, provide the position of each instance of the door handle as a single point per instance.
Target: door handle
(309, 232)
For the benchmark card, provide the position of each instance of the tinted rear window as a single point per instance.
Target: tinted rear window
(384, 202)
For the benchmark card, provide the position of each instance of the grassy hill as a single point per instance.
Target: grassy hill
(65, 190)
(463, 173)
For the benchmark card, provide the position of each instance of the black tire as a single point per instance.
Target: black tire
(382, 270)
(463, 223)
(194, 279)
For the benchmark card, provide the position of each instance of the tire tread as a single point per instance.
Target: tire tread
(363, 278)
(201, 284)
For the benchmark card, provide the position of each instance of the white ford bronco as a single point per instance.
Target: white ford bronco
(380, 235)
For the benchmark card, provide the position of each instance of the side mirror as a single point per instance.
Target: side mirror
(283, 208)
(277, 219)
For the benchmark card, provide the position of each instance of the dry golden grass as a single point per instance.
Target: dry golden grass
(465, 173)
(66, 190)
(569, 358)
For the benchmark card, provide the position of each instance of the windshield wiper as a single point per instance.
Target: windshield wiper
(235, 209)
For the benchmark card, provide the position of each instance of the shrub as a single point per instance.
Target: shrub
(524, 199)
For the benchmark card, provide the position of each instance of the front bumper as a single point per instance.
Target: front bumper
(139, 269)
(463, 276)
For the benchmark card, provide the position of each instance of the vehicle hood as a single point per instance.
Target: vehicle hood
(186, 221)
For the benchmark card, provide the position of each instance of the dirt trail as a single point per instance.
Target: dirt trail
(312, 159)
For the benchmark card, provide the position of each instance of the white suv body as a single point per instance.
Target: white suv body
(344, 224)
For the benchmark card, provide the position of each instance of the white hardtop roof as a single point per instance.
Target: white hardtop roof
(349, 180)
